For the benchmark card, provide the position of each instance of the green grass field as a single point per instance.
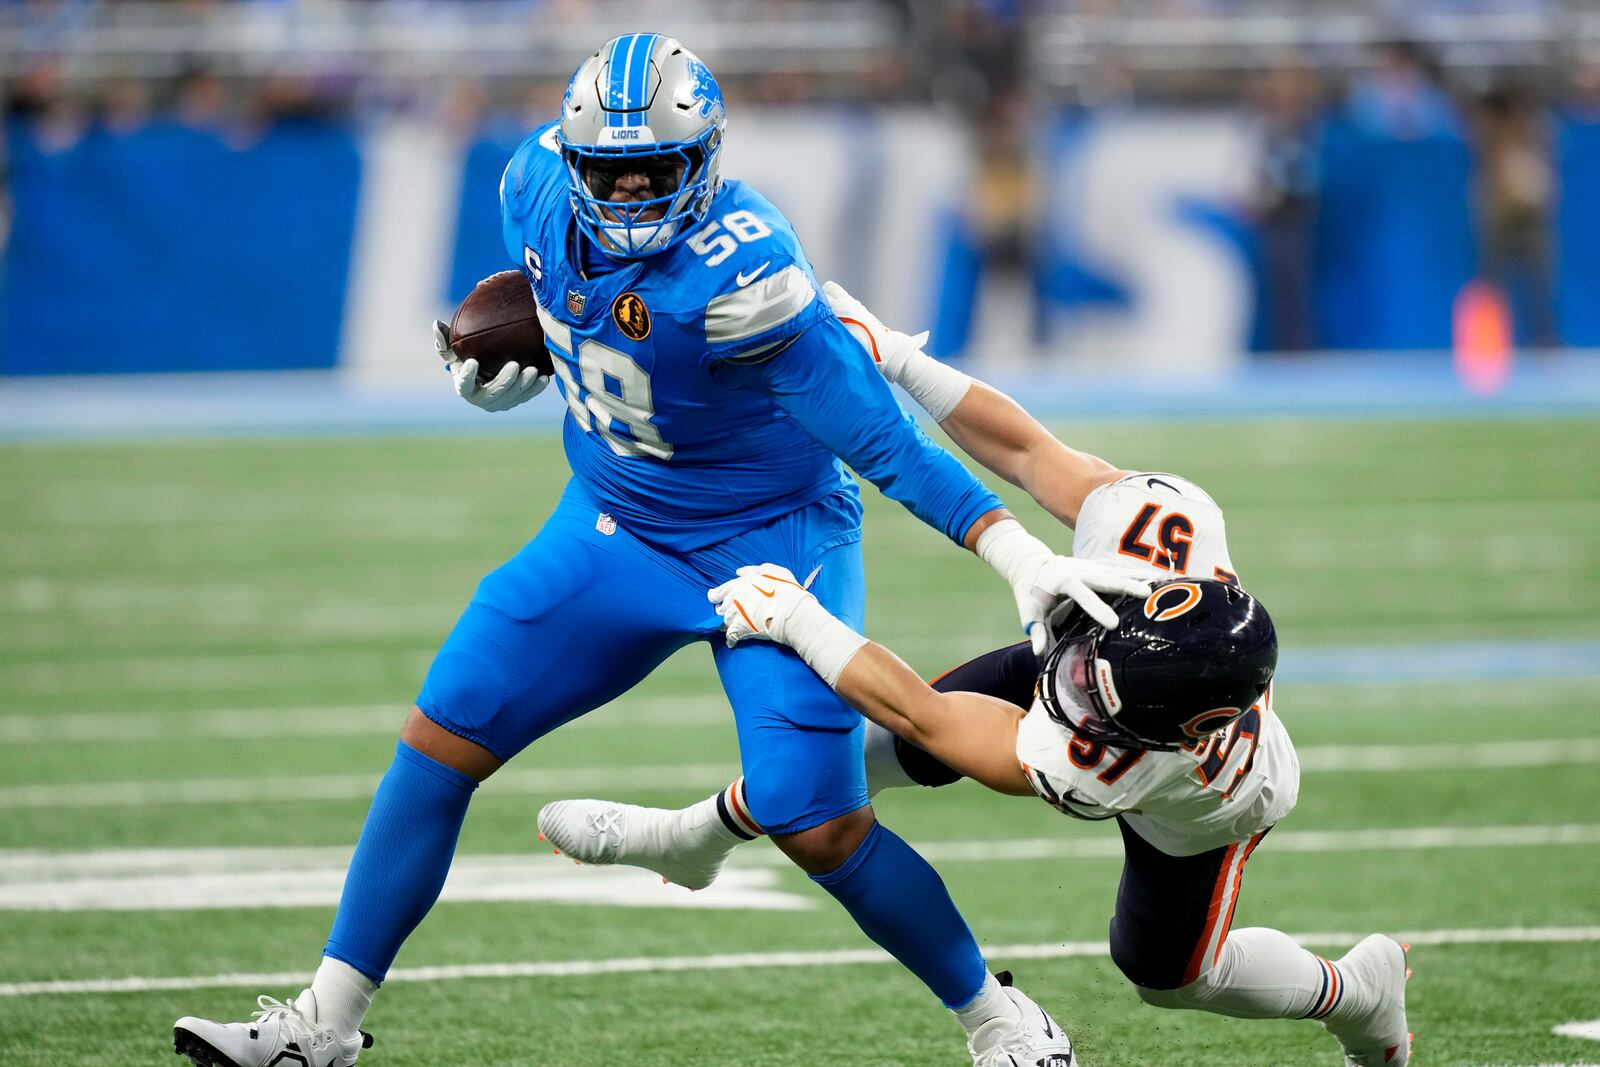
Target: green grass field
(206, 648)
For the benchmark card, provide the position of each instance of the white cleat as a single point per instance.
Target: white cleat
(1375, 1035)
(282, 1034)
(682, 846)
(1034, 1040)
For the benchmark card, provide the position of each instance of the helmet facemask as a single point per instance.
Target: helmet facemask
(1075, 678)
(678, 188)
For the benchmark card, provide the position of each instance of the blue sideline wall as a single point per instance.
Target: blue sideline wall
(171, 250)
(314, 245)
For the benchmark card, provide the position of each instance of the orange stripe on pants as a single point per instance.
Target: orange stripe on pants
(1213, 914)
(1233, 905)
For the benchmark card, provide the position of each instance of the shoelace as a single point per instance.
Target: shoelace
(607, 822)
(1016, 1041)
(294, 1025)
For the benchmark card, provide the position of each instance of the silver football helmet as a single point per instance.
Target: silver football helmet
(642, 106)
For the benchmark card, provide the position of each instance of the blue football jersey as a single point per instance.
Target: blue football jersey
(709, 387)
(677, 457)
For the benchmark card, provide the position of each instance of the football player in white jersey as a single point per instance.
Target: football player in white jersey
(1154, 711)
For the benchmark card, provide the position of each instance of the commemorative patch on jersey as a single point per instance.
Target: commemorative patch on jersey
(633, 318)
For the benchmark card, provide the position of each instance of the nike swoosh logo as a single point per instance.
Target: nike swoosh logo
(1153, 482)
(763, 592)
(745, 279)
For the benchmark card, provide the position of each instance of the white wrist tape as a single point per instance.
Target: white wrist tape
(1011, 550)
(824, 642)
(936, 386)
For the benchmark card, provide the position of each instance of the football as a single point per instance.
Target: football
(498, 323)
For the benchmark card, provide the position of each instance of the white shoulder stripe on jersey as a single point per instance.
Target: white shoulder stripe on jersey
(758, 307)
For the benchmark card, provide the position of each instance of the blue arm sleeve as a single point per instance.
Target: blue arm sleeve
(827, 382)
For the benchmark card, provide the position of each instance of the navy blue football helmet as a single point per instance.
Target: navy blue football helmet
(1183, 663)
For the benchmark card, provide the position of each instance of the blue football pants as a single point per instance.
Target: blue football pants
(586, 610)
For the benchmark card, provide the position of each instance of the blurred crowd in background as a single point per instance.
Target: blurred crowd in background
(1492, 75)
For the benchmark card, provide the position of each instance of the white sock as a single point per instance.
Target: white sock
(990, 1003)
(1260, 974)
(343, 996)
(883, 766)
(725, 817)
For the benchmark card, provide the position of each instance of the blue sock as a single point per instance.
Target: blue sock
(401, 860)
(900, 902)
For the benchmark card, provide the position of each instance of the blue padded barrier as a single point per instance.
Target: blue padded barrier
(169, 249)
(1394, 238)
(1577, 230)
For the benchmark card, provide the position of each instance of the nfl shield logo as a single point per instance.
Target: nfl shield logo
(605, 524)
(575, 301)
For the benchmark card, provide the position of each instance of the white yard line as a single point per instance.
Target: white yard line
(746, 961)
(334, 787)
(168, 879)
(1557, 752)
(332, 720)
(1345, 759)
(1374, 840)
(208, 878)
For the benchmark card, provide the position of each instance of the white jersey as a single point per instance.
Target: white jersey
(1219, 790)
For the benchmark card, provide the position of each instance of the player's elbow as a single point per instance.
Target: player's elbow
(889, 716)
(896, 712)
(880, 462)
(918, 717)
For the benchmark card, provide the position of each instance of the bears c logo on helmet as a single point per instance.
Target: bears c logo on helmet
(1171, 601)
(1209, 722)
(633, 318)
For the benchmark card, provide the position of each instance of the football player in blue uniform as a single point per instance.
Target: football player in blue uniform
(711, 395)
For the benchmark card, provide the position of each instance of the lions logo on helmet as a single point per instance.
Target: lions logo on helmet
(1182, 663)
(643, 105)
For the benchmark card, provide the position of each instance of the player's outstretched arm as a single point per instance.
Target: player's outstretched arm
(995, 431)
(974, 734)
(823, 379)
(988, 425)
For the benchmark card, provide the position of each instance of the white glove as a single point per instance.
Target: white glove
(512, 386)
(1068, 578)
(938, 388)
(769, 602)
(759, 603)
(1040, 579)
(889, 349)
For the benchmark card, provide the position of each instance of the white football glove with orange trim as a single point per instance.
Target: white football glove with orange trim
(768, 602)
(1040, 580)
(938, 388)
